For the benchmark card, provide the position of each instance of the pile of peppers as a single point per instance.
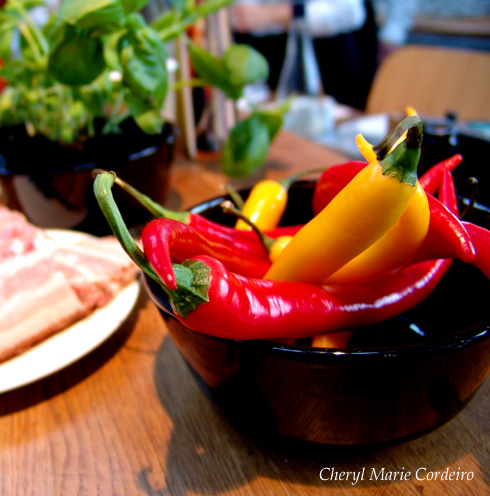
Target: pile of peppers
(379, 243)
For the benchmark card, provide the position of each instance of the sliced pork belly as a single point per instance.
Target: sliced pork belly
(48, 281)
(17, 235)
(36, 301)
(96, 268)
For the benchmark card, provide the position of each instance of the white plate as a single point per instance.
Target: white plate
(70, 344)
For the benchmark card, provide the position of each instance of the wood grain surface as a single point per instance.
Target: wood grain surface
(128, 419)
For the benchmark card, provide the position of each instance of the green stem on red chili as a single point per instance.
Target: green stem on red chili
(192, 283)
(228, 207)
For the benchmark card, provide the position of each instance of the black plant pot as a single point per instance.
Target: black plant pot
(53, 185)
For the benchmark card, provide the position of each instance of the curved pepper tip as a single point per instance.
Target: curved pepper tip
(157, 251)
(170, 281)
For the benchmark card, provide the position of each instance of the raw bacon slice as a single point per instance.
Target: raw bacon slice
(96, 268)
(47, 282)
(17, 236)
(35, 302)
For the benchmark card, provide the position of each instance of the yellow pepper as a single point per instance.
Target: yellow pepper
(278, 246)
(265, 205)
(366, 149)
(267, 201)
(356, 218)
(394, 249)
(398, 246)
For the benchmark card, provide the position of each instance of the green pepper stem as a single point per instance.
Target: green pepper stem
(153, 207)
(402, 162)
(473, 182)
(235, 196)
(386, 144)
(228, 207)
(192, 276)
(103, 193)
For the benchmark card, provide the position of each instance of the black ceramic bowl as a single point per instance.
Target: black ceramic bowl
(396, 380)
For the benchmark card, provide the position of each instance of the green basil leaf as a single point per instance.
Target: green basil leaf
(272, 121)
(143, 59)
(55, 31)
(166, 20)
(6, 39)
(94, 99)
(131, 6)
(148, 118)
(245, 65)
(212, 70)
(104, 16)
(246, 148)
(111, 51)
(78, 59)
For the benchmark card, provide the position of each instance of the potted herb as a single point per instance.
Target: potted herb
(87, 90)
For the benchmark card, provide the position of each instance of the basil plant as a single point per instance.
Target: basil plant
(100, 59)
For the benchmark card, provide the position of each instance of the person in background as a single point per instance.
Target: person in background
(397, 18)
(343, 32)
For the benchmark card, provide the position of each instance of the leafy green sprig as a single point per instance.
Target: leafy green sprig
(101, 59)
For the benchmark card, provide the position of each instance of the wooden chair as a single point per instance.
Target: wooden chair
(434, 81)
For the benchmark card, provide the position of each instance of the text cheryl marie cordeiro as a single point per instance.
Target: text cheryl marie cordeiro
(382, 474)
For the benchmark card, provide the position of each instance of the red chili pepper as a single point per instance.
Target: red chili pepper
(246, 242)
(238, 307)
(480, 238)
(332, 181)
(431, 179)
(166, 241)
(247, 308)
(446, 237)
(241, 240)
(447, 192)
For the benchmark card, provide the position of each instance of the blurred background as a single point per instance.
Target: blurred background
(327, 56)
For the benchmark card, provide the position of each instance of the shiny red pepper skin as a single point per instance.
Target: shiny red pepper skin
(245, 241)
(446, 237)
(447, 192)
(167, 240)
(431, 179)
(251, 308)
(480, 238)
(332, 181)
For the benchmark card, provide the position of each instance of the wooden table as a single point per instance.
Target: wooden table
(128, 419)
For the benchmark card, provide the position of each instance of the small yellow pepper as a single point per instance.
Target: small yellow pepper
(265, 205)
(356, 218)
(278, 246)
(267, 202)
